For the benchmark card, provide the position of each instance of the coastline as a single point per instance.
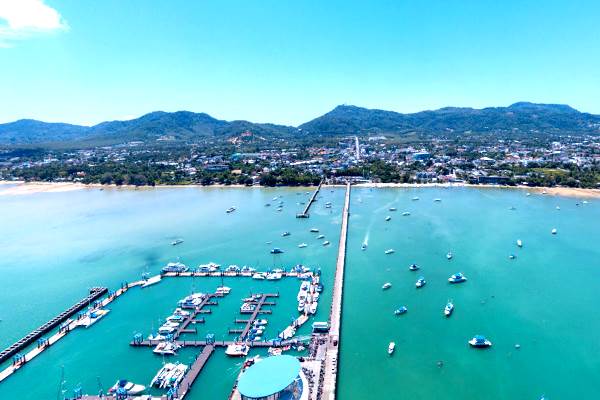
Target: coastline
(26, 188)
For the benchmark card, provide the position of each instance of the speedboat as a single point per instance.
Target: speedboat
(401, 310)
(230, 210)
(392, 208)
(176, 242)
(276, 250)
(363, 247)
(389, 251)
(166, 348)
(123, 386)
(314, 230)
(420, 282)
(388, 218)
(391, 348)
(386, 285)
(405, 214)
(449, 255)
(413, 267)
(448, 309)
(284, 234)
(321, 237)
(554, 231)
(480, 341)
(326, 243)
(302, 245)
(519, 243)
(457, 278)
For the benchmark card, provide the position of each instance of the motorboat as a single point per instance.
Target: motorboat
(480, 341)
(247, 308)
(284, 234)
(457, 278)
(174, 267)
(223, 290)
(166, 348)
(392, 208)
(259, 276)
(386, 285)
(413, 267)
(321, 237)
(302, 245)
(420, 282)
(232, 268)
(449, 255)
(313, 307)
(326, 243)
(230, 210)
(364, 246)
(274, 276)
(437, 200)
(124, 387)
(401, 310)
(276, 250)
(519, 243)
(389, 251)
(557, 208)
(415, 198)
(388, 218)
(314, 230)
(554, 231)
(391, 348)
(405, 214)
(176, 242)
(448, 309)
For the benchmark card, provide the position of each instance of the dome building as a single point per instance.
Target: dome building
(273, 378)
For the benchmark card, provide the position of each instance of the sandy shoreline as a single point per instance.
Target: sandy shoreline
(25, 188)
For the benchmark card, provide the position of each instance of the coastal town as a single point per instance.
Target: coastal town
(248, 159)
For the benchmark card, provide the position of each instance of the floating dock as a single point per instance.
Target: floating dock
(258, 310)
(95, 294)
(188, 380)
(313, 198)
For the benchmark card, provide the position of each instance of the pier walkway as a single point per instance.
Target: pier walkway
(193, 372)
(313, 198)
(95, 293)
(331, 356)
(258, 310)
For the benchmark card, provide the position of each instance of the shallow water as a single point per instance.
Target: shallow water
(56, 245)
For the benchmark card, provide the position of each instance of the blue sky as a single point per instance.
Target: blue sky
(86, 61)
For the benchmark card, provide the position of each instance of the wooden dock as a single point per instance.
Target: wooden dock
(335, 316)
(258, 310)
(313, 198)
(191, 319)
(190, 377)
(95, 294)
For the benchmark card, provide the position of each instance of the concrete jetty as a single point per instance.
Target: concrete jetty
(335, 316)
(313, 198)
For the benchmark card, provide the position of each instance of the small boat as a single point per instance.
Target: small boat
(176, 242)
(314, 230)
(457, 278)
(389, 251)
(449, 255)
(151, 281)
(259, 276)
(313, 308)
(275, 351)
(302, 245)
(268, 205)
(554, 231)
(480, 341)
(527, 194)
(364, 246)
(276, 250)
(558, 207)
(388, 218)
(321, 237)
(328, 205)
(392, 208)
(166, 349)
(230, 210)
(391, 348)
(222, 290)
(448, 309)
(413, 267)
(437, 200)
(386, 285)
(274, 276)
(405, 214)
(284, 234)
(420, 282)
(415, 198)
(401, 310)
(512, 208)
(512, 257)
(519, 243)
(124, 387)
(326, 243)
(237, 350)
(161, 377)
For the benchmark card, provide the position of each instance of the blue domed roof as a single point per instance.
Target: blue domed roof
(269, 376)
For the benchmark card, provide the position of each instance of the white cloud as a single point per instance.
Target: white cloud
(21, 19)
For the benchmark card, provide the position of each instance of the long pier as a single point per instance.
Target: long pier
(95, 293)
(193, 372)
(304, 214)
(335, 316)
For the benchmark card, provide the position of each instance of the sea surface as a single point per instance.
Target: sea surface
(54, 246)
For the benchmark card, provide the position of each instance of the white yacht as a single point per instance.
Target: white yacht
(237, 350)
(480, 341)
(326, 243)
(389, 251)
(386, 285)
(126, 387)
(391, 348)
(519, 243)
(388, 218)
(554, 231)
(449, 309)
(166, 348)
(259, 276)
(274, 276)
(321, 237)
(405, 214)
(223, 290)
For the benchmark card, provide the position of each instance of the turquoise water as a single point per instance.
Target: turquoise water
(56, 245)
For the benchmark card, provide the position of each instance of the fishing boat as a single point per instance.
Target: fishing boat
(276, 250)
(176, 242)
(389, 251)
(413, 267)
(519, 243)
(420, 282)
(364, 246)
(124, 387)
(449, 255)
(554, 231)
(314, 230)
(321, 237)
(166, 348)
(284, 234)
(457, 278)
(391, 348)
(448, 309)
(401, 310)
(326, 243)
(392, 208)
(480, 341)
(386, 285)
(405, 214)
(388, 218)
(230, 210)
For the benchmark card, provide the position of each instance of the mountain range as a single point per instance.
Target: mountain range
(187, 126)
